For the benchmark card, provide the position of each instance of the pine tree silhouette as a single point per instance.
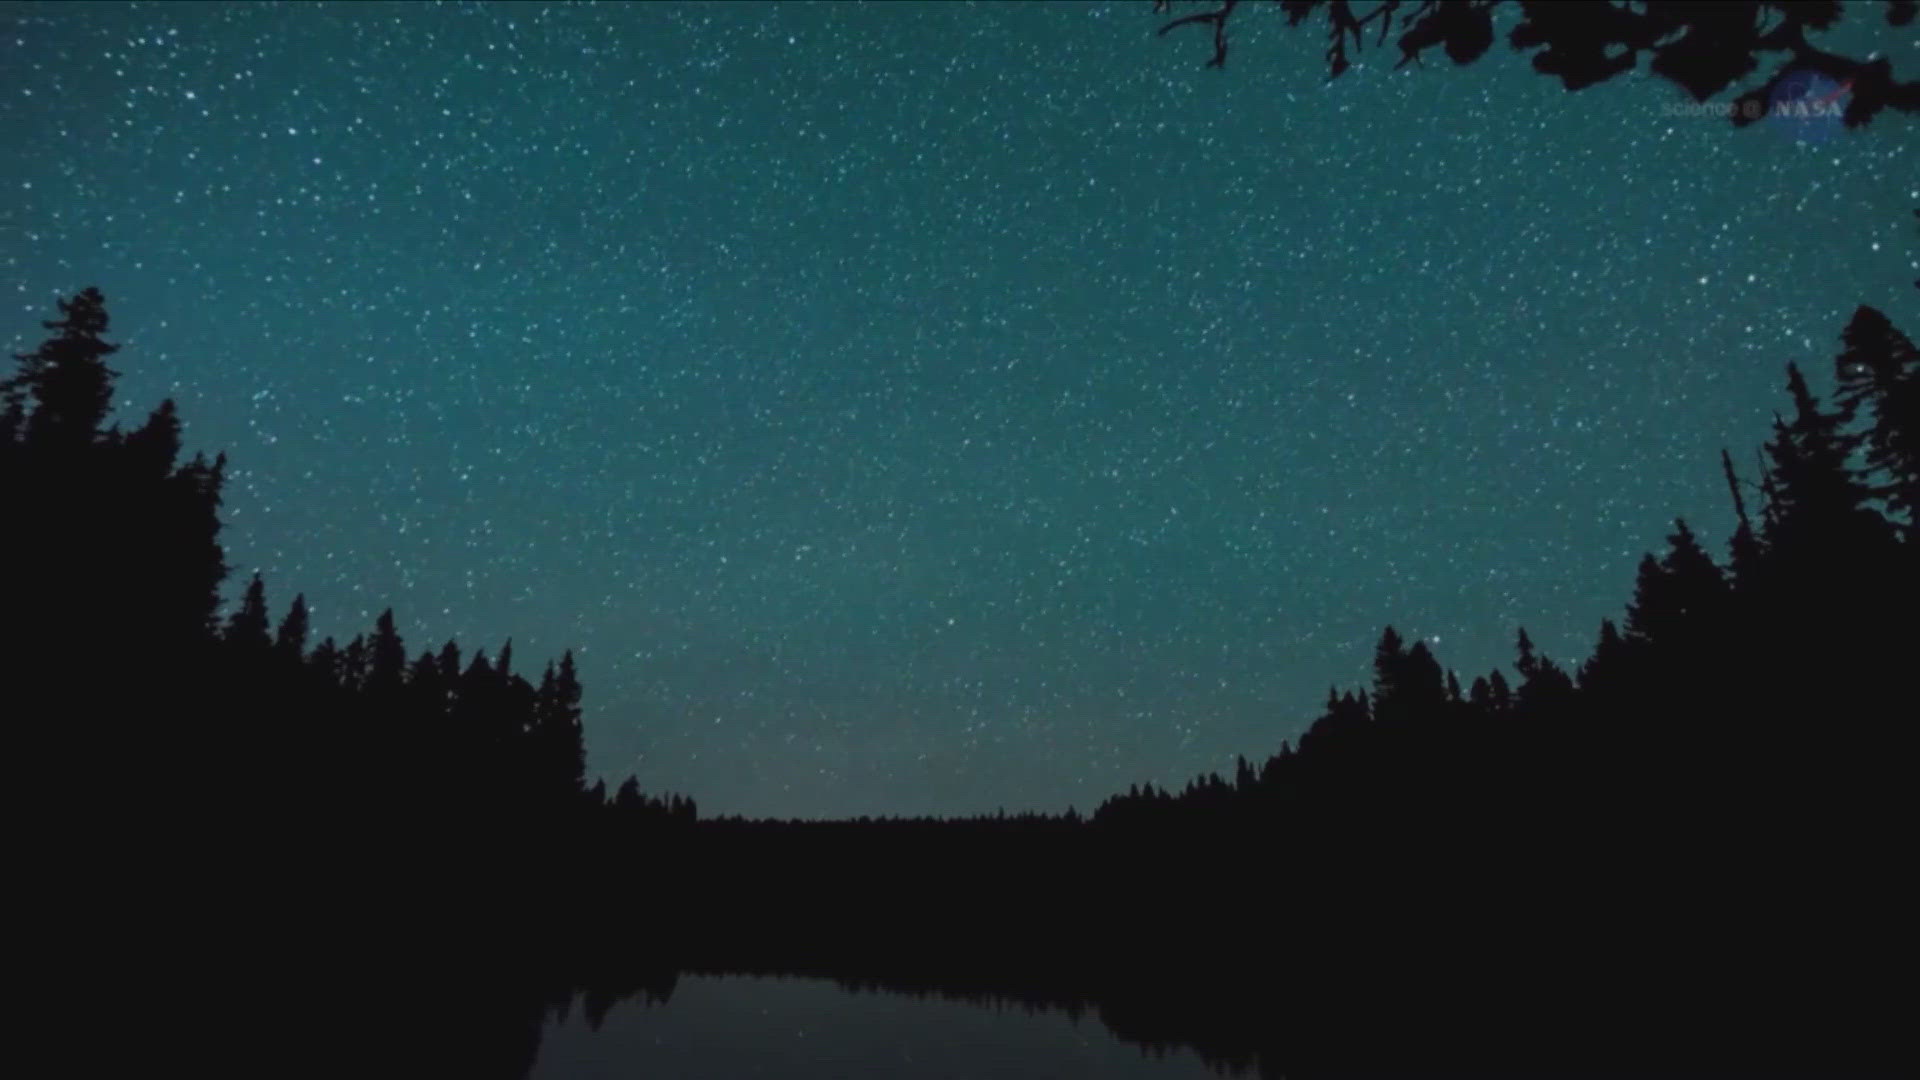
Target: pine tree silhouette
(1676, 597)
(1544, 687)
(1605, 671)
(67, 379)
(290, 642)
(1819, 501)
(557, 731)
(1878, 371)
(247, 627)
(353, 665)
(1744, 547)
(386, 658)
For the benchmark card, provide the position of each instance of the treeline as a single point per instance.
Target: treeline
(1794, 652)
(116, 569)
(333, 823)
(1692, 842)
(437, 736)
(1684, 850)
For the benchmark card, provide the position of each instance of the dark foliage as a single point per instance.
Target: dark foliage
(1685, 859)
(1689, 855)
(220, 802)
(1703, 48)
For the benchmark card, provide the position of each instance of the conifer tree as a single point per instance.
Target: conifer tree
(1744, 547)
(66, 377)
(386, 657)
(153, 447)
(291, 640)
(476, 717)
(1528, 662)
(82, 491)
(426, 691)
(1389, 662)
(353, 665)
(1480, 695)
(1676, 597)
(1422, 682)
(1604, 670)
(560, 753)
(181, 564)
(1543, 685)
(1499, 694)
(450, 665)
(324, 662)
(1878, 370)
(567, 697)
(627, 800)
(1819, 500)
(247, 626)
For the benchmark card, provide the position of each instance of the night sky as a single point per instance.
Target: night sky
(929, 408)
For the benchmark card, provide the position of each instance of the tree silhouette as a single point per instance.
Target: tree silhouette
(1490, 694)
(1878, 371)
(386, 658)
(352, 671)
(76, 494)
(1605, 669)
(1543, 684)
(1744, 546)
(557, 731)
(66, 377)
(1676, 595)
(152, 448)
(1729, 768)
(291, 639)
(247, 627)
(1819, 501)
(426, 693)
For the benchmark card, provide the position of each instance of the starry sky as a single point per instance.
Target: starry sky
(929, 408)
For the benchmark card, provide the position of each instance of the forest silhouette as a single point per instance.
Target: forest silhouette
(240, 850)
(1683, 851)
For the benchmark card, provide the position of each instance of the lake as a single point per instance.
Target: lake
(801, 1028)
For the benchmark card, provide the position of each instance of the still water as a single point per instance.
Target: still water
(732, 1027)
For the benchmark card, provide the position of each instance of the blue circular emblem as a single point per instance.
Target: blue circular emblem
(1807, 105)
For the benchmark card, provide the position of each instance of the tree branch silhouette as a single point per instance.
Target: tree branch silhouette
(1702, 48)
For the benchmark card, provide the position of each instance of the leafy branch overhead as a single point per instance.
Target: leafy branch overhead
(1702, 48)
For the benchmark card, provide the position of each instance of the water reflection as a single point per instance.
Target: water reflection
(800, 1028)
